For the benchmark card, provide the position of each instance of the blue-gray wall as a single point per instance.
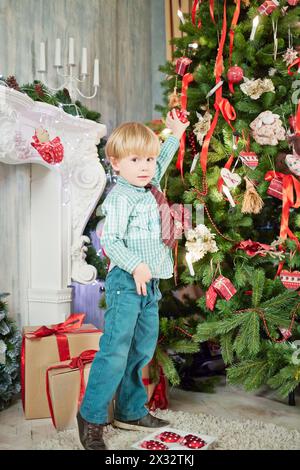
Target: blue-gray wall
(128, 36)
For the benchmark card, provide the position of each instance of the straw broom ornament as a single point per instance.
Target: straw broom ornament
(252, 202)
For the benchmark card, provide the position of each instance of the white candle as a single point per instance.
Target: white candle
(57, 62)
(254, 27)
(181, 17)
(42, 58)
(84, 61)
(96, 72)
(71, 52)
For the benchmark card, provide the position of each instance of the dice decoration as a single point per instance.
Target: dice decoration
(167, 436)
(154, 445)
(193, 442)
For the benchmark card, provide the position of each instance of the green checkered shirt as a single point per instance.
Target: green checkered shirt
(132, 229)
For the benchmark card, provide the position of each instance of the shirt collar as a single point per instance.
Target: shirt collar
(123, 182)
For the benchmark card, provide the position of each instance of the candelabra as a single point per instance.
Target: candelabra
(70, 81)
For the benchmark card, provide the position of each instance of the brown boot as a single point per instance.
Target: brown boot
(90, 434)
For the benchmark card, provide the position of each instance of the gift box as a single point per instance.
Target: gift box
(275, 188)
(182, 64)
(211, 298)
(66, 382)
(224, 287)
(43, 346)
(268, 7)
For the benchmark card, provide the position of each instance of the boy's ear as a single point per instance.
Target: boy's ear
(114, 163)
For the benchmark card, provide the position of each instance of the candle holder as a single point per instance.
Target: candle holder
(71, 83)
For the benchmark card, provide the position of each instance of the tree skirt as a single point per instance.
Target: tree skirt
(231, 435)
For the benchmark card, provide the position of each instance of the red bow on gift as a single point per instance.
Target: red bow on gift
(78, 362)
(52, 152)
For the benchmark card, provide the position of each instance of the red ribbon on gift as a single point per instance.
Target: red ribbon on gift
(78, 362)
(70, 325)
(159, 398)
(290, 186)
(187, 79)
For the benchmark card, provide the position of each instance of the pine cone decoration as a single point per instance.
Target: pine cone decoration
(12, 82)
(39, 90)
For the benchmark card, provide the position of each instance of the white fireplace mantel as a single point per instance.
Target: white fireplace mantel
(63, 197)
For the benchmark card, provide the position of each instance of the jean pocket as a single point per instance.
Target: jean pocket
(158, 293)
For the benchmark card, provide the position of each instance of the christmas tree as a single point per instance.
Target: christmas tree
(234, 75)
(10, 342)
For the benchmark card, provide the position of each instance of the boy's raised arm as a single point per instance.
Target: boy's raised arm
(117, 210)
(168, 150)
(170, 146)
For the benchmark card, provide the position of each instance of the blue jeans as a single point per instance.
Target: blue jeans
(126, 346)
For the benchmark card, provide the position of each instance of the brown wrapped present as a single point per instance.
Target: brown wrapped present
(43, 346)
(65, 384)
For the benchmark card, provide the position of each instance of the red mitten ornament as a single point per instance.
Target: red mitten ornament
(51, 151)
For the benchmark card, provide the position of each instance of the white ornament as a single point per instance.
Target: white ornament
(232, 180)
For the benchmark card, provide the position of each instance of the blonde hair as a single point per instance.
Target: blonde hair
(132, 138)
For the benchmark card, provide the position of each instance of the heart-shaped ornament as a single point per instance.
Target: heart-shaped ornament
(293, 162)
(290, 279)
(232, 180)
(249, 159)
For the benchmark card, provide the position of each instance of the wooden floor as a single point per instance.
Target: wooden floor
(229, 402)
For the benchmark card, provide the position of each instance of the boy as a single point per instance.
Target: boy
(139, 257)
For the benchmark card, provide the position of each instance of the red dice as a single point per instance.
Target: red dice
(181, 115)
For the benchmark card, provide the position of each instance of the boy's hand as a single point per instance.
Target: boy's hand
(173, 122)
(141, 275)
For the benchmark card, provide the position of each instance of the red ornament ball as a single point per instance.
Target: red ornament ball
(292, 3)
(235, 74)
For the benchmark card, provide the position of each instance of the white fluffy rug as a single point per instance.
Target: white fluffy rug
(231, 435)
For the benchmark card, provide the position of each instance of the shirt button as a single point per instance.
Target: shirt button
(118, 292)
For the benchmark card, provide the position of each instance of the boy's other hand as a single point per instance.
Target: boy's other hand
(141, 275)
(173, 122)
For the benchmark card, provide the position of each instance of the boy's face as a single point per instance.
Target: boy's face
(136, 170)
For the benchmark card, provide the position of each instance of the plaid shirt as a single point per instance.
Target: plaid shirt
(132, 230)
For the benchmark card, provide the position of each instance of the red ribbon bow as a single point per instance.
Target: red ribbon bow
(78, 362)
